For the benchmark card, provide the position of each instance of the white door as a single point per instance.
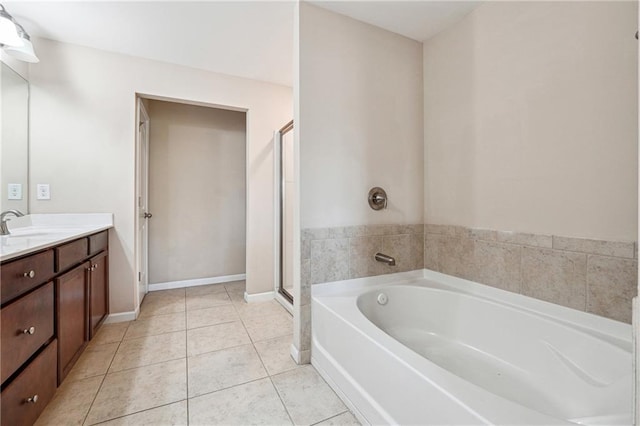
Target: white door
(142, 197)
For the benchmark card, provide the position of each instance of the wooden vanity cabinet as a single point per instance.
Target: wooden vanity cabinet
(53, 302)
(72, 313)
(98, 291)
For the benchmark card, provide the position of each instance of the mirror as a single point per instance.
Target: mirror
(14, 141)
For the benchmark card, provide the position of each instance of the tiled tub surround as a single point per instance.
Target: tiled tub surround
(595, 276)
(340, 253)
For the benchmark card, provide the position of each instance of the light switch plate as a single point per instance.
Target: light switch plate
(43, 191)
(14, 191)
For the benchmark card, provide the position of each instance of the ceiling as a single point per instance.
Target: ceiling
(251, 39)
(417, 19)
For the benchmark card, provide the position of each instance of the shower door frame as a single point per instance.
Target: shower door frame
(281, 184)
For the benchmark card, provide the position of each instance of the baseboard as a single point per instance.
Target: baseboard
(300, 357)
(259, 297)
(196, 282)
(122, 317)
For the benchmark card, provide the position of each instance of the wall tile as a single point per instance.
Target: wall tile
(338, 232)
(329, 260)
(315, 234)
(398, 247)
(611, 284)
(305, 282)
(448, 254)
(496, 264)
(361, 257)
(305, 249)
(356, 231)
(555, 276)
(601, 247)
(431, 251)
(417, 251)
(534, 240)
(416, 229)
(483, 234)
(305, 328)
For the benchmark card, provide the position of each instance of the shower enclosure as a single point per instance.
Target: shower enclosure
(285, 180)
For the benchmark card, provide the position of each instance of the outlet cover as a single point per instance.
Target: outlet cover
(14, 191)
(43, 191)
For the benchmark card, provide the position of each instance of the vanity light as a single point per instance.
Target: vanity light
(14, 39)
(8, 30)
(24, 52)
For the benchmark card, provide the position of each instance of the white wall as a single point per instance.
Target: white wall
(531, 119)
(20, 67)
(82, 143)
(360, 121)
(196, 192)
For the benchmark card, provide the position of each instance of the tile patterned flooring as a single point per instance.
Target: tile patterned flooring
(196, 356)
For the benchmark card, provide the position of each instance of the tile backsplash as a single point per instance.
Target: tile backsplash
(596, 276)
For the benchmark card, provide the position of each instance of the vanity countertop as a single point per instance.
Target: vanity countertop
(39, 231)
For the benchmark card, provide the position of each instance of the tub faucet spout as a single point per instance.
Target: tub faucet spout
(380, 257)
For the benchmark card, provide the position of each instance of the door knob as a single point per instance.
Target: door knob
(148, 215)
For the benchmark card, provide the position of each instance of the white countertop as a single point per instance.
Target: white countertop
(35, 232)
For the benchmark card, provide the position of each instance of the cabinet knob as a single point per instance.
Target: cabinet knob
(30, 330)
(32, 399)
(30, 274)
(95, 266)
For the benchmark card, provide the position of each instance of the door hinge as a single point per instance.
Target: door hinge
(139, 276)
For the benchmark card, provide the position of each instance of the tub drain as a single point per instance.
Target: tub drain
(382, 299)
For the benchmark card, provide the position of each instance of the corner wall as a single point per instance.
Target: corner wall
(83, 144)
(359, 126)
(531, 120)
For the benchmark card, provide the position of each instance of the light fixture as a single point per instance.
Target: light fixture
(24, 52)
(8, 31)
(14, 39)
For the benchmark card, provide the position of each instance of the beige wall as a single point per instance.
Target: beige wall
(530, 112)
(360, 121)
(196, 192)
(82, 143)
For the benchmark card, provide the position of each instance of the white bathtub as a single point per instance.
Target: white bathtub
(444, 350)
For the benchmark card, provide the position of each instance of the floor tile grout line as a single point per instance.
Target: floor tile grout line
(84, 419)
(145, 336)
(229, 387)
(332, 417)
(281, 400)
(138, 412)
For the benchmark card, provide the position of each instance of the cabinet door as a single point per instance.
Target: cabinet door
(72, 314)
(99, 291)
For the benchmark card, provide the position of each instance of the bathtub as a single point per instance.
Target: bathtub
(426, 348)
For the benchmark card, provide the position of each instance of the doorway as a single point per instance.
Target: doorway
(196, 210)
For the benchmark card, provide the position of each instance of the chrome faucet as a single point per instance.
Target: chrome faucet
(3, 222)
(380, 257)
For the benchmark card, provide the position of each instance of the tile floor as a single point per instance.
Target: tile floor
(197, 356)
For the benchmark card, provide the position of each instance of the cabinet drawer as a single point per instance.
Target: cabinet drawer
(39, 378)
(20, 276)
(98, 242)
(26, 325)
(71, 253)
